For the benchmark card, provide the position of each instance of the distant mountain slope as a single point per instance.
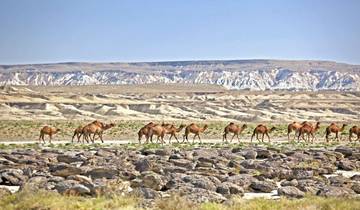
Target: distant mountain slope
(232, 74)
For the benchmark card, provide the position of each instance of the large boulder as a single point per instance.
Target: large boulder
(263, 186)
(346, 151)
(64, 170)
(143, 165)
(69, 158)
(228, 188)
(98, 173)
(12, 176)
(331, 191)
(153, 181)
(291, 192)
(346, 165)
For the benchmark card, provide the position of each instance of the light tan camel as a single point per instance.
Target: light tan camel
(195, 129)
(144, 131)
(309, 130)
(333, 128)
(96, 129)
(262, 129)
(47, 130)
(354, 130)
(235, 129)
(173, 131)
(295, 126)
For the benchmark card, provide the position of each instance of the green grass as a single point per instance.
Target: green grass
(53, 201)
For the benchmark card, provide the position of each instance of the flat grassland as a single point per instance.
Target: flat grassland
(25, 109)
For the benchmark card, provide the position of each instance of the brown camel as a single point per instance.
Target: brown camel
(159, 131)
(333, 128)
(47, 130)
(295, 126)
(173, 131)
(354, 130)
(144, 131)
(78, 132)
(262, 129)
(96, 129)
(309, 130)
(195, 129)
(235, 129)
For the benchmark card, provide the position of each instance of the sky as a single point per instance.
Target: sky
(46, 31)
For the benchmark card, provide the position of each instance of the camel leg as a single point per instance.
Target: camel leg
(170, 138)
(194, 138)
(176, 138)
(262, 137)
(72, 139)
(252, 136)
(199, 138)
(288, 134)
(224, 137)
(232, 137)
(50, 135)
(337, 136)
(237, 135)
(40, 137)
(101, 138)
(268, 136)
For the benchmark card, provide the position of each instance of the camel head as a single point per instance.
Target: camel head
(205, 127)
(58, 129)
(272, 129)
(244, 126)
(343, 126)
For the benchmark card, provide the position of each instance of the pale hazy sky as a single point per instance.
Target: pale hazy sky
(40, 31)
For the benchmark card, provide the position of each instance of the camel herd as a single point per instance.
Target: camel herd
(305, 130)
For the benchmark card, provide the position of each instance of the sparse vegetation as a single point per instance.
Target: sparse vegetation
(54, 201)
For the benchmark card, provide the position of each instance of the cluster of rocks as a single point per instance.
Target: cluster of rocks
(199, 174)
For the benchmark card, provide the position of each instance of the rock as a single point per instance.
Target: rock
(243, 180)
(300, 173)
(148, 193)
(163, 152)
(249, 154)
(199, 195)
(339, 181)
(356, 187)
(98, 173)
(346, 151)
(104, 153)
(290, 192)
(228, 188)
(331, 191)
(143, 165)
(81, 179)
(183, 163)
(35, 183)
(153, 181)
(64, 170)
(293, 182)
(249, 164)
(79, 189)
(69, 158)
(12, 176)
(204, 184)
(356, 177)
(263, 153)
(346, 165)
(64, 186)
(263, 186)
(4, 192)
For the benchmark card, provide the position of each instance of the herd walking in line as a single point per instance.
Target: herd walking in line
(302, 131)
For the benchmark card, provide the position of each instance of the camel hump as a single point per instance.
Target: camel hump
(332, 123)
(231, 123)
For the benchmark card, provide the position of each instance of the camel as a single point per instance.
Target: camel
(173, 131)
(310, 130)
(159, 131)
(78, 132)
(295, 126)
(48, 131)
(195, 129)
(235, 129)
(333, 128)
(262, 129)
(354, 130)
(144, 131)
(96, 129)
